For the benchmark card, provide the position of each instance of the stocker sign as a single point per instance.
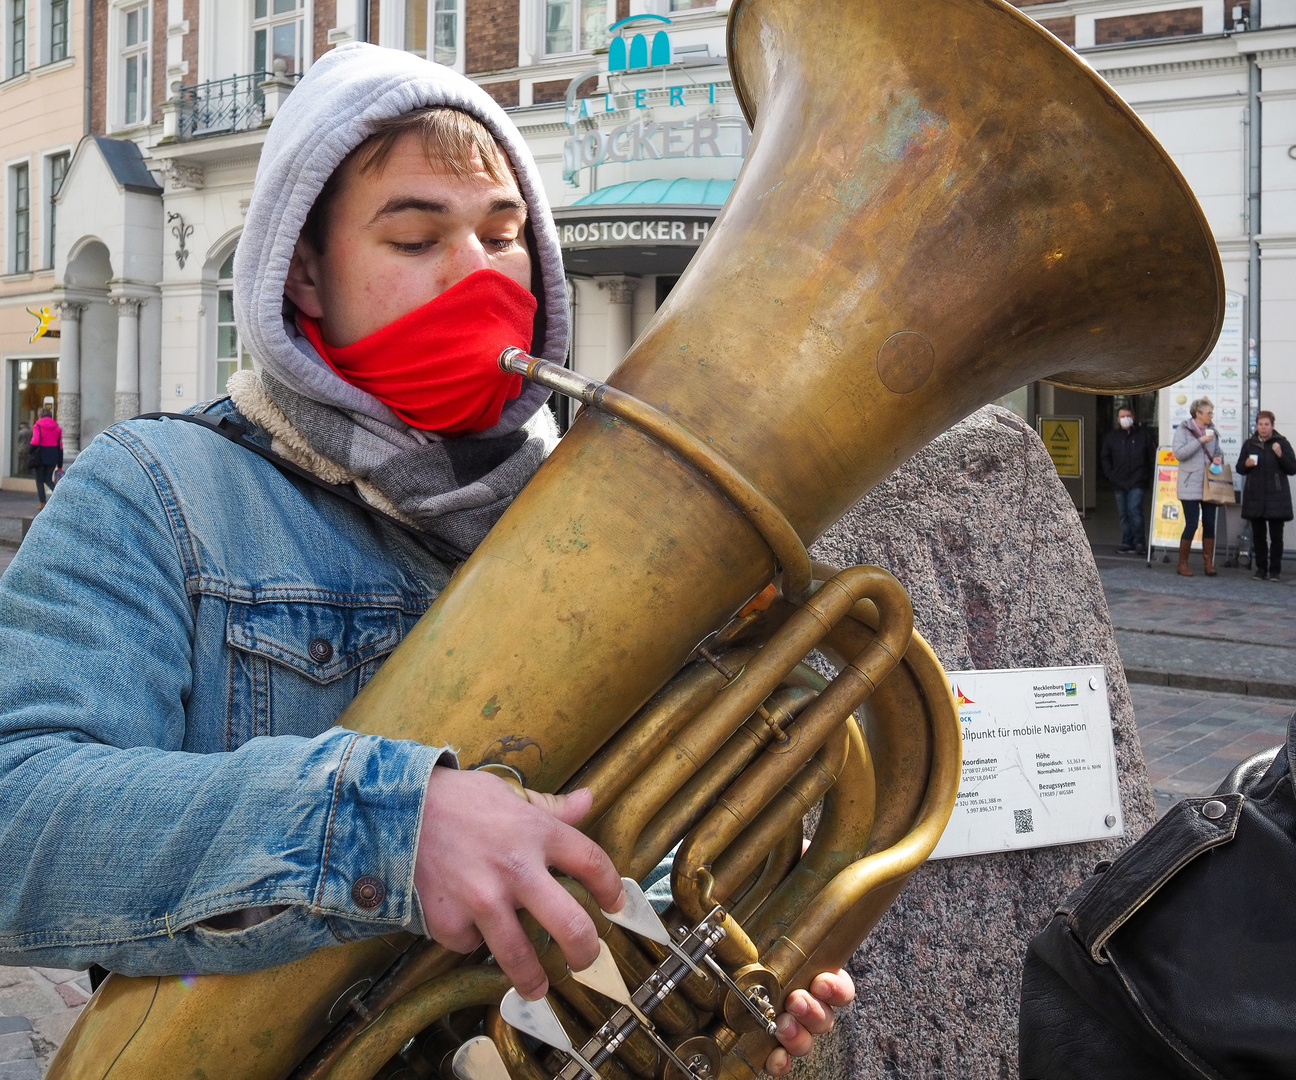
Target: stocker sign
(633, 232)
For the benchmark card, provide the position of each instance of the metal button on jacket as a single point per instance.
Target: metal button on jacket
(368, 892)
(1214, 810)
(320, 650)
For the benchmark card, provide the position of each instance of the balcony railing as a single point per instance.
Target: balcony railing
(222, 106)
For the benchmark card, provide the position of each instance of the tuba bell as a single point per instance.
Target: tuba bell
(939, 205)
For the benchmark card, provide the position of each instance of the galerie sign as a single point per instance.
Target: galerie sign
(1039, 765)
(648, 135)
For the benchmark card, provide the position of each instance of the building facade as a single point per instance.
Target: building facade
(42, 106)
(628, 107)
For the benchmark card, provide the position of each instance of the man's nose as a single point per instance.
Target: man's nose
(466, 257)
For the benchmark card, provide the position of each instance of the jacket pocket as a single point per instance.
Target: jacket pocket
(296, 665)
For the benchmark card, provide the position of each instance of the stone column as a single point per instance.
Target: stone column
(620, 290)
(127, 398)
(69, 374)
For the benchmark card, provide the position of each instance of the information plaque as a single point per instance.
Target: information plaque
(1039, 765)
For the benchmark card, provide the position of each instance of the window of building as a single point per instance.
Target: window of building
(689, 5)
(134, 64)
(445, 19)
(575, 25)
(19, 219)
(16, 37)
(59, 46)
(231, 356)
(56, 166)
(278, 33)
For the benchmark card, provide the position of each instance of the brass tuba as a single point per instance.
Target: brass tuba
(940, 204)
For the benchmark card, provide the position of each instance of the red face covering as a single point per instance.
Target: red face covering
(437, 367)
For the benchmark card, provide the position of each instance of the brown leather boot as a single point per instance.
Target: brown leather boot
(1208, 556)
(1185, 546)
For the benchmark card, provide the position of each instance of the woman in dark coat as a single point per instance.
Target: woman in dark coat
(1266, 461)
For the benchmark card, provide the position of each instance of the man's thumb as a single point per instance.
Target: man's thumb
(569, 809)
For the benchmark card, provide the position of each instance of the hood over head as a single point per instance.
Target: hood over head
(330, 112)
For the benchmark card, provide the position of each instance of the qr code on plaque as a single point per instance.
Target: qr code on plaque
(1023, 822)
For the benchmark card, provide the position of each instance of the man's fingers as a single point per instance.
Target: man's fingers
(573, 853)
(568, 923)
(795, 1039)
(778, 1063)
(811, 1013)
(515, 955)
(834, 988)
(569, 809)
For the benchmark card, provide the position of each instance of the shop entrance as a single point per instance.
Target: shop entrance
(33, 385)
(1103, 523)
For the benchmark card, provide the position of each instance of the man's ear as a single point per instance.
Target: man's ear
(305, 273)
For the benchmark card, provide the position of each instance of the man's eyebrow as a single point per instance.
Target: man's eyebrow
(398, 204)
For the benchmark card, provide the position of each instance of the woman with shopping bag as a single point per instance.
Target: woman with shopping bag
(1197, 449)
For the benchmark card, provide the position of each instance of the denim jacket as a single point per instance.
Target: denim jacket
(179, 634)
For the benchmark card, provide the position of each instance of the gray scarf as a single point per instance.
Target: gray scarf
(455, 489)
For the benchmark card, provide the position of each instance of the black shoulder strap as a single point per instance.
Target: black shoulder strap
(237, 434)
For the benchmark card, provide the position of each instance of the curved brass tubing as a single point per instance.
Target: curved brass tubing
(519, 1061)
(696, 796)
(759, 509)
(846, 824)
(783, 814)
(650, 730)
(443, 995)
(831, 926)
(620, 829)
(425, 960)
(697, 885)
(787, 850)
(748, 796)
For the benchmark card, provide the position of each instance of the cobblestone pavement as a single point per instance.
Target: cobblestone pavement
(37, 1008)
(1228, 633)
(1192, 739)
(14, 506)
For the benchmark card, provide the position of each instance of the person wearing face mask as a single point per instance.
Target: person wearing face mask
(175, 696)
(1196, 447)
(1267, 461)
(1126, 459)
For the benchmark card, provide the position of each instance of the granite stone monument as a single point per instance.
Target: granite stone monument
(984, 536)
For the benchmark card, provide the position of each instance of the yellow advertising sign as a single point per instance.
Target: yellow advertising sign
(1167, 510)
(1062, 437)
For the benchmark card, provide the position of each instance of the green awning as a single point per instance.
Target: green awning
(682, 192)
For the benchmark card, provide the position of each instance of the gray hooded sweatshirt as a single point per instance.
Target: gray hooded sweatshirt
(455, 488)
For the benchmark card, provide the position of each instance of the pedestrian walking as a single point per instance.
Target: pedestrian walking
(46, 452)
(1196, 447)
(1267, 461)
(1127, 454)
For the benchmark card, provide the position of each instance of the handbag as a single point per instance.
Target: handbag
(1174, 960)
(33, 456)
(1218, 487)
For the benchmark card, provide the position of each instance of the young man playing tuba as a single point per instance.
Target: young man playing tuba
(149, 630)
